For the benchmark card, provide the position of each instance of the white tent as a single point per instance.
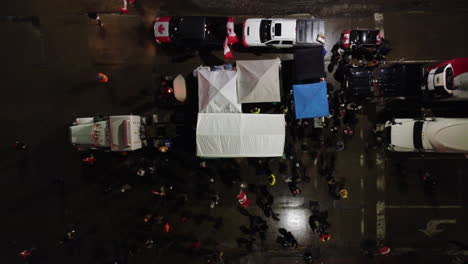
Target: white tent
(258, 81)
(217, 91)
(240, 135)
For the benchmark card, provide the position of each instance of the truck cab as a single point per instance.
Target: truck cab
(112, 133)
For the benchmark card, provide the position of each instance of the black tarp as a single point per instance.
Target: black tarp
(308, 65)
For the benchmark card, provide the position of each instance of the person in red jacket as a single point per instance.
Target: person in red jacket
(102, 78)
(90, 160)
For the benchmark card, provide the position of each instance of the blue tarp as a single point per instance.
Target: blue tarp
(310, 100)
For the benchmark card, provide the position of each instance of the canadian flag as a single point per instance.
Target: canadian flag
(378, 39)
(227, 51)
(384, 250)
(89, 160)
(231, 35)
(242, 198)
(346, 35)
(25, 253)
(124, 9)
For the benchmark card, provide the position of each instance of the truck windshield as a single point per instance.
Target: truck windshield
(449, 78)
(417, 135)
(265, 30)
(174, 24)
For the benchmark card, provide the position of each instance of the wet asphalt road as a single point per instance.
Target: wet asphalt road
(48, 70)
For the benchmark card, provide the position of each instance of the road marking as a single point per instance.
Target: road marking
(433, 224)
(379, 23)
(402, 60)
(361, 160)
(401, 251)
(362, 222)
(460, 183)
(361, 133)
(423, 207)
(380, 182)
(362, 183)
(380, 209)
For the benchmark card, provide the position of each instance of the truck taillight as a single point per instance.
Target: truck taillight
(243, 34)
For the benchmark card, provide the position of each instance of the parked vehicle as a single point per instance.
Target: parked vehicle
(397, 81)
(448, 79)
(111, 133)
(448, 135)
(352, 39)
(191, 31)
(283, 32)
(360, 48)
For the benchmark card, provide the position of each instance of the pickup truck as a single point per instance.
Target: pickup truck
(283, 32)
(191, 31)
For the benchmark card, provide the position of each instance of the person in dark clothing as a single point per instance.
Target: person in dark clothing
(95, 16)
(20, 145)
(291, 240)
(293, 188)
(282, 241)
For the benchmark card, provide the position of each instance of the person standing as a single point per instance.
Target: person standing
(291, 239)
(89, 159)
(20, 145)
(102, 78)
(95, 16)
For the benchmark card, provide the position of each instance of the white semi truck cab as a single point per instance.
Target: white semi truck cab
(111, 133)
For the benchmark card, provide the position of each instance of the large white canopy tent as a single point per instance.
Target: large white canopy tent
(258, 81)
(217, 91)
(240, 135)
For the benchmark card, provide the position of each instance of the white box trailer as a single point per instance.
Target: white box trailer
(112, 133)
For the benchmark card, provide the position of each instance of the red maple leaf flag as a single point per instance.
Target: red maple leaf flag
(227, 51)
(231, 35)
(346, 35)
(161, 29)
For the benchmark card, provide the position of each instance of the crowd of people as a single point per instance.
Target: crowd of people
(183, 190)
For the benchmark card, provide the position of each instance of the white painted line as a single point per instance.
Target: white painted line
(362, 222)
(361, 133)
(413, 61)
(362, 183)
(400, 251)
(380, 209)
(361, 160)
(423, 207)
(379, 23)
(460, 183)
(380, 183)
(432, 226)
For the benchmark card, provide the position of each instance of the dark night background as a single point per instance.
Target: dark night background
(50, 53)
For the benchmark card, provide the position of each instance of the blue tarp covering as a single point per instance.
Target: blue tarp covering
(310, 100)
